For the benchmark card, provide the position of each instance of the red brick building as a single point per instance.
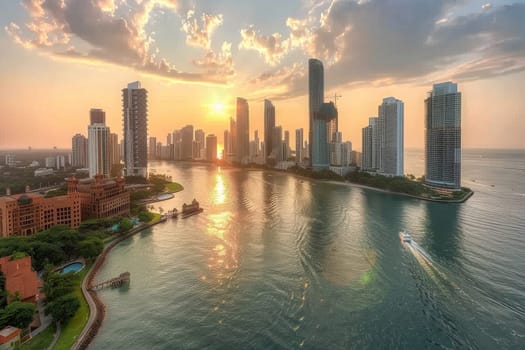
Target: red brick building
(20, 278)
(27, 213)
(101, 197)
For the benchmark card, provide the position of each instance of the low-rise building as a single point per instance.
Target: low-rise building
(19, 279)
(43, 172)
(27, 213)
(9, 338)
(100, 197)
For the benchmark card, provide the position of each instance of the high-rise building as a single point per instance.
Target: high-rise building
(286, 144)
(269, 124)
(233, 139)
(226, 147)
(243, 131)
(152, 148)
(320, 148)
(98, 150)
(443, 136)
(211, 148)
(366, 156)
(97, 116)
(256, 140)
(168, 138)
(391, 117)
(200, 139)
(135, 114)
(80, 151)
(187, 142)
(299, 145)
(114, 150)
(332, 130)
(315, 97)
(277, 146)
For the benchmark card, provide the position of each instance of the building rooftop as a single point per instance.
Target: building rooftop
(7, 331)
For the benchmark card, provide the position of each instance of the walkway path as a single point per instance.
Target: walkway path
(57, 335)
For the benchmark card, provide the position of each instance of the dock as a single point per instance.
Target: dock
(115, 282)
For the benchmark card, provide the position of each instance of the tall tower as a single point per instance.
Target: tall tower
(99, 152)
(211, 148)
(269, 124)
(391, 116)
(187, 142)
(315, 97)
(299, 146)
(135, 115)
(443, 136)
(320, 149)
(243, 131)
(114, 150)
(79, 156)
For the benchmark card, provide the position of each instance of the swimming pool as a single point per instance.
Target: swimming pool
(73, 267)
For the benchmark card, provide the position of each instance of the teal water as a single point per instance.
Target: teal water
(276, 262)
(73, 267)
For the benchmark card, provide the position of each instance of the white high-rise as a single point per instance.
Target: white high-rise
(98, 150)
(391, 137)
(135, 115)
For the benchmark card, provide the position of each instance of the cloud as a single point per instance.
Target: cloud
(271, 47)
(90, 31)
(217, 64)
(200, 34)
(408, 41)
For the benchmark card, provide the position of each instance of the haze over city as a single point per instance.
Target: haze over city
(195, 58)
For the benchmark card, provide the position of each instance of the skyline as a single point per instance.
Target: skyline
(68, 89)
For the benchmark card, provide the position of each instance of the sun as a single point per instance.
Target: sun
(218, 107)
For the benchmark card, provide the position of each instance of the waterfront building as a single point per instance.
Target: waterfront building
(80, 151)
(27, 213)
(341, 154)
(200, 140)
(114, 157)
(135, 115)
(211, 148)
(286, 145)
(19, 278)
(97, 116)
(315, 100)
(357, 158)
(443, 137)
(370, 145)
(277, 147)
(269, 124)
(187, 142)
(243, 131)
(152, 148)
(299, 146)
(100, 197)
(391, 117)
(320, 148)
(99, 149)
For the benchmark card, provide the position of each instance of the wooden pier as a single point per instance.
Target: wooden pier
(115, 282)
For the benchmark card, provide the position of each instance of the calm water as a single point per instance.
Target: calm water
(275, 262)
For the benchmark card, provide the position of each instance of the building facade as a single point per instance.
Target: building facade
(80, 151)
(135, 115)
(100, 197)
(299, 146)
(19, 278)
(99, 155)
(243, 131)
(28, 213)
(443, 137)
(315, 99)
(97, 116)
(320, 148)
(211, 148)
(269, 124)
(187, 142)
(391, 117)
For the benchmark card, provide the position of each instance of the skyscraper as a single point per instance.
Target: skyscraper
(114, 150)
(366, 158)
(200, 140)
(299, 146)
(79, 151)
(391, 116)
(97, 116)
(211, 148)
(315, 97)
(152, 148)
(286, 144)
(269, 124)
(320, 148)
(98, 150)
(277, 146)
(243, 131)
(226, 146)
(443, 136)
(135, 115)
(187, 142)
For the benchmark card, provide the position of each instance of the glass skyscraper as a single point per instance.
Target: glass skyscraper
(315, 97)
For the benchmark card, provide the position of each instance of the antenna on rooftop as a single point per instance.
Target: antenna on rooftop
(336, 96)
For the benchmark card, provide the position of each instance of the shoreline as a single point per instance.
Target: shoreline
(97, 309)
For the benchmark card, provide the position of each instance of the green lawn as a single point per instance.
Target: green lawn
(41, 341)
(173, 187)
(72, 329)
(156, 217)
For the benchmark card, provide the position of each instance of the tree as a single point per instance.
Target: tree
(57, 285)
(125, 225)
(63, 308)
(91, 247)
(145, 216)
(17, 314)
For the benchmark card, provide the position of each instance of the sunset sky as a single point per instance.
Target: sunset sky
(59, 58)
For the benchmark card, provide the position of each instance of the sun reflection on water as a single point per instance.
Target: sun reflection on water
(219, 191)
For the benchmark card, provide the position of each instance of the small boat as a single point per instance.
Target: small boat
(405, 237)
